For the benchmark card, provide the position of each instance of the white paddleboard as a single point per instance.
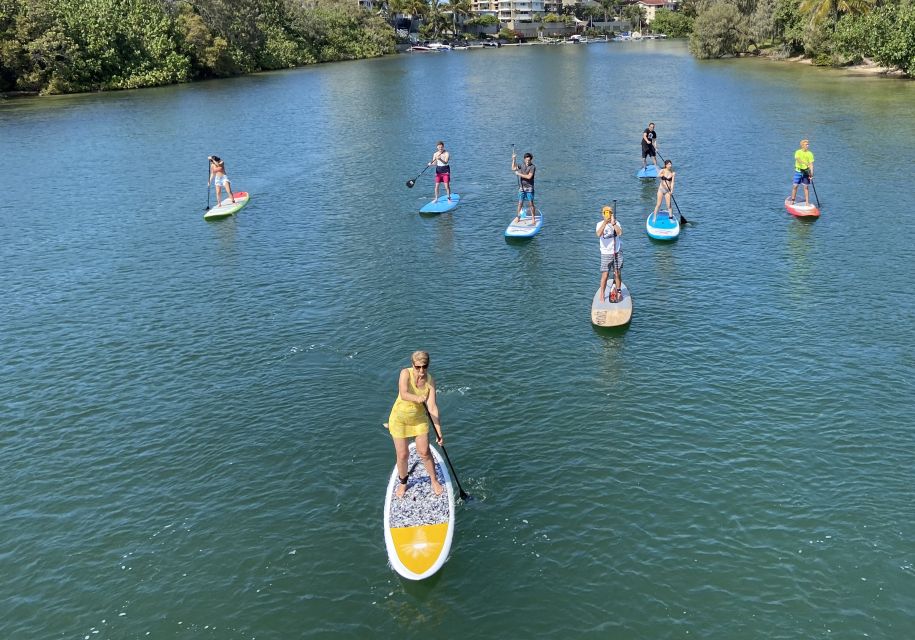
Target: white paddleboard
(227, 208)
(663, 226)
(419, 526)
(611, 314)
(525, 227)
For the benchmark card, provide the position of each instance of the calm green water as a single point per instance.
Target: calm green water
(190, 412)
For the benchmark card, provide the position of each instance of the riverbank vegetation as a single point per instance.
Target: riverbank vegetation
(829, 32)
(64, 46)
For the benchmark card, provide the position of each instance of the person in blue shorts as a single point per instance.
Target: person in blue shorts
(803, 170)
(525, 173)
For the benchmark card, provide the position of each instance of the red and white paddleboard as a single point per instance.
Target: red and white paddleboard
(801, 210)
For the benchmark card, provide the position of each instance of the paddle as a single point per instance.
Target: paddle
(466, 497)
(208, 185)
(815, 192)
(683, 219)
(410, 183)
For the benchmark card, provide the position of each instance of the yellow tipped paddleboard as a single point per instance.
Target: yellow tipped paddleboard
(419, 526)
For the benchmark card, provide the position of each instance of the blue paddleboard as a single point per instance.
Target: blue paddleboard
(442, 204)
(662, 226)
(525, 228)
(650, 171)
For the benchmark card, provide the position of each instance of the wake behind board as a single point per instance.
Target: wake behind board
(442, 204)
(611, 314)
(800, 210)
(648, 171)
(419, 526)
(662, 226)
(227, 208)
(525, 227)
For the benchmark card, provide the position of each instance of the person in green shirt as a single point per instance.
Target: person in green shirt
(803, 170)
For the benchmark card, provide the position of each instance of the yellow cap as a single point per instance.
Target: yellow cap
(607, 210)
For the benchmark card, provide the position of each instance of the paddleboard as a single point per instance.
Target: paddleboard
(662, 226)
(801, 210)
(419, 526)
(525, 227)
(442, 204)
(227, 208)
(611, 314)
(649, 171)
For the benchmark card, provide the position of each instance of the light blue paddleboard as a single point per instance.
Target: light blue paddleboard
(442, 204)
(650, 171)
(662, 226)
(525, 228)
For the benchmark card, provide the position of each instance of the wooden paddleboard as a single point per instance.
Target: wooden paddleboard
(525, 227)
(611, 314)
(649, 171)
(227, 208)
(419, 526)
(801, 210)
(442, 204)
(663, 226)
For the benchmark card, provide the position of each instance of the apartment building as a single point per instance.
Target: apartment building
(519, 10)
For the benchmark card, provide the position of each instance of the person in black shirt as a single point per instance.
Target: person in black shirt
(649, 145)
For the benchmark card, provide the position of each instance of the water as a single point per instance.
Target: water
(190, 425)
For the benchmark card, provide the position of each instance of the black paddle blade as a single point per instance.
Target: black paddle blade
(410, 183)
(683, 220)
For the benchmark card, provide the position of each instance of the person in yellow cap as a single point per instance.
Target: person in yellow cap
(611, 254)
(803, 170)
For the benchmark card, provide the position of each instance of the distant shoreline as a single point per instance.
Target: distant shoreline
(865, 68)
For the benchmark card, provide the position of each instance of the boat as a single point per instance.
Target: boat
(418, 527)
(611, 314)
(418, 48)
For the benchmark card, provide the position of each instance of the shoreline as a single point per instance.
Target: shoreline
(867, 68)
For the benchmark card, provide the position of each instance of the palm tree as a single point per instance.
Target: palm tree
(817, 11)
(607, 6)
(458, 8)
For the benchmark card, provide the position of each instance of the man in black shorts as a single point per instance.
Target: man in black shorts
(648, 145)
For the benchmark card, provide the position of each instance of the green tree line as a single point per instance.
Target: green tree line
(64, 46)
(830, 32)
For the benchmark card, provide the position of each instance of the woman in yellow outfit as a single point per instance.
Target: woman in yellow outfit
(410, 419)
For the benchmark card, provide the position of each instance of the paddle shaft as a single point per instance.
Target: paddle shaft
(208, 185)
(464, 495)
(683, 219)
(815, 192)
(410, 183)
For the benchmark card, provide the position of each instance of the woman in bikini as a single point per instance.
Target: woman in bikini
(666, 178)
(410, 416)
(218, 173)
